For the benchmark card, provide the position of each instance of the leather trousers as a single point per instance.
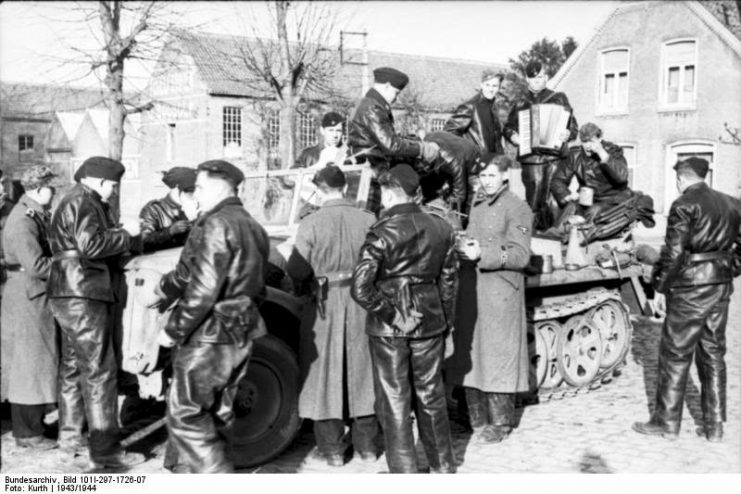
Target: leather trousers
(695, 324)
(537, 181)
(401, 367)
(200, 403)
(87, 375)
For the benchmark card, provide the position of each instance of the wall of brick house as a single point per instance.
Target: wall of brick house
(643, 28)
(13, 160)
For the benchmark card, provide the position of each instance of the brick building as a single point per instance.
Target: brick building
(663, 80)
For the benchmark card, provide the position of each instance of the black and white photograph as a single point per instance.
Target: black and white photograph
(363, 237)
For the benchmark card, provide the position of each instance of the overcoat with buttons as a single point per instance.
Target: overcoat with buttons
(490, 337)
(30, 339)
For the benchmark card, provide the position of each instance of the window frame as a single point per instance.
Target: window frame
(432, 124)
(634, 145)
(689, 146)
(26, 139)
(236, 125)
(308, 134)
(599, 103)
(664, 104)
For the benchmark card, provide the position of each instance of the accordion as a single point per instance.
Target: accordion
(539, 127)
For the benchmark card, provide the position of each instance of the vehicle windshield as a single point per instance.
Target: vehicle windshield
(271, 197)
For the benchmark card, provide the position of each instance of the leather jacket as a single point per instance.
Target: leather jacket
(155, 218)
(408, 261)
(372, 126)
(609, 180)
(703, 240)
(225, 259)
(85, 245)
(546, 96)
(467, 122)
(310, 156)
(457, 160)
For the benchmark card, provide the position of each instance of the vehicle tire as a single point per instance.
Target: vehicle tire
(266, 405)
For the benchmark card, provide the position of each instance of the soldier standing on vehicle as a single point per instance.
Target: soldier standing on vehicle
(164, 224)
(220, 281)
(406, 279)
(333, 351)
(693, 278)
(30, 337)
(85, 246)
(330, 150)
(371, 135)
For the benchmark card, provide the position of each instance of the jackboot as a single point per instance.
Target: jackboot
(477, 409)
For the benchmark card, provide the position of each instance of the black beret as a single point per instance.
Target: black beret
(396, 78)
(182, 177)
(101, 167)
(406, 177)
(697, 165)
(223, 168)
(331, 119)
(330, 175)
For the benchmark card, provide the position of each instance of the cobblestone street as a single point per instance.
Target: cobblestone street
(589, 432)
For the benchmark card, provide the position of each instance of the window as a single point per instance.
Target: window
(437, 124)
(273, 133)
(679, 74)
(629, 152)
(613, 90)
(232, 126)
(681, 151)
(25, 142)
(306, 130)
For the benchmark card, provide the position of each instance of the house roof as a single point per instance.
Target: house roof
(712, 13)
(42, 100)
(438, 83)
(70, 122)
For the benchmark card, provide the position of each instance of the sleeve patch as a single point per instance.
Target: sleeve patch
(523, 229)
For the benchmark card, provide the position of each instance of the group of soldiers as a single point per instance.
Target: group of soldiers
(422, 289)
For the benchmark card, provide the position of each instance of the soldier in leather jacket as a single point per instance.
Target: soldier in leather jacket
(538, 168)
(85, 245)
(164, 224)
(220, 281)
(406, 278)
(371, 135)
(477, 119)
(597, 164)
(330, 150)
(694, 272)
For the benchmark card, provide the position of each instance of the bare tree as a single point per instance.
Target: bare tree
(291, 63)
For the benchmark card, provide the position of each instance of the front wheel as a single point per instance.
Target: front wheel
(266, 405)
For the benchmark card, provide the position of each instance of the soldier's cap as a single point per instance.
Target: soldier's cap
(331, 176)
(100, 167)
(402, 176)
(698, 165)
(491, 74)
(224, 169)
(589, 130)
(396, 78)
(38, 176)
(331, 119)
(182, 177)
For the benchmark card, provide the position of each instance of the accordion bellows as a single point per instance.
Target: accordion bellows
(539, 127)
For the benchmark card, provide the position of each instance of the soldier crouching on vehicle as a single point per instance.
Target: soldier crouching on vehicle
(85, 246)
(406, 279)
(220, 280)
(333, 352)
(163, 222)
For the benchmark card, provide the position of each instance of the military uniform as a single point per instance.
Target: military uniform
(333, 351)
(85, 246)
(408, 261)
(156, 217)
(220, 281)
(30, 337)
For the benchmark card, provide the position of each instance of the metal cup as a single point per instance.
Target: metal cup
(586, 196)
(547, 264)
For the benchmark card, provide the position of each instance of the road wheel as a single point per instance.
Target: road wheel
(613, 322)
(538, 352)
(579, 350)
(266, 404)
(549, 331)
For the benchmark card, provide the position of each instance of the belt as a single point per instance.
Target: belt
(709, 256)
(339, 278)
(66, 254)
(14, 268)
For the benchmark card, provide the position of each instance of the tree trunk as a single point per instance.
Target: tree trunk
(287, 116)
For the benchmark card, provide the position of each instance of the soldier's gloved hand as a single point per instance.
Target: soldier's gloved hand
(660, 304)
(158, 297)
(429, 151)
(132, 227)
(164, 340)
(410, 323)
(178, 227)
